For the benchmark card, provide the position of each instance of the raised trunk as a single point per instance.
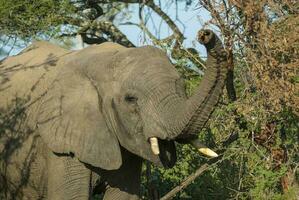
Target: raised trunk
(196, 111)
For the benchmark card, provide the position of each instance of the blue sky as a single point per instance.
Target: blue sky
(189, 21)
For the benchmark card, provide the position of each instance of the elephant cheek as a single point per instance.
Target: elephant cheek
(167, 153)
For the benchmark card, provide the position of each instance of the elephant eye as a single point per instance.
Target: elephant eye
(130, 98)
(207, 33)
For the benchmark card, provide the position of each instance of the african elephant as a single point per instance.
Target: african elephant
(75, 121)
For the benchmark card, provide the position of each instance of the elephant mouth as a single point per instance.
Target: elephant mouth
(165, 150)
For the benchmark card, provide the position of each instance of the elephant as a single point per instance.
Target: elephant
(74, 123)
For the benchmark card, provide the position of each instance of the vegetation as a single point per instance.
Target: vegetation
(255, 126)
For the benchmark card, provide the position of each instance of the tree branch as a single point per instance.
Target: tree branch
(178, 50)
(186, 182)
(200, 170)
(113, 32)
(178, 35)
(105, 27)
(92, 40)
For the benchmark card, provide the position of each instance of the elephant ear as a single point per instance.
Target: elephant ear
(70, 121)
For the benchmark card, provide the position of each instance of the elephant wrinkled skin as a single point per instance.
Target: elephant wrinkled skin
(77, 122)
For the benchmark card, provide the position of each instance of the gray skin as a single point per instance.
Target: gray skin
(80, 121)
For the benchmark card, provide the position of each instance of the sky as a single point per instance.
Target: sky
(188, 19)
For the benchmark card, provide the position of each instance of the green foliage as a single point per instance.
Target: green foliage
(25, 19)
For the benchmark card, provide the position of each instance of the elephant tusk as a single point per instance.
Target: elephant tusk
(203, 149)
(208, 152)
(154, 145)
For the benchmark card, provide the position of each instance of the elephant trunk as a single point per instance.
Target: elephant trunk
(197, 109)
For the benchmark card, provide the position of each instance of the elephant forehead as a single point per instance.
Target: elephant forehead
(151, 73)
(143, 72)
(141, 58)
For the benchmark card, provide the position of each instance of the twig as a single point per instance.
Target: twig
(186, 182)
(200, 170)
(166, 18)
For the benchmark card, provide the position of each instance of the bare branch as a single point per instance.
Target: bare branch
(113, 32)
(179, 36)
(103, 27)
(186, 182)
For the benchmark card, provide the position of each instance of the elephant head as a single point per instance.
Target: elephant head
(107, 97)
